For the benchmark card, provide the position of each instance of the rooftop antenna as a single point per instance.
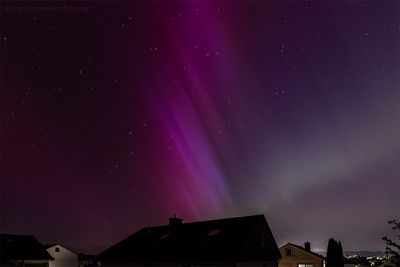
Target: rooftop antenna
(175, 221)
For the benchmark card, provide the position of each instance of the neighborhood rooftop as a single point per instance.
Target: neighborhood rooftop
(232, 239)
(307, 250)
(21, 247)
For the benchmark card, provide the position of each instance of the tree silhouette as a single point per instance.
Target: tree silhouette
(334, 254)
(392, 247)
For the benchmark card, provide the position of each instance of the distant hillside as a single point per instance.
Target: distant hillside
(365, 253)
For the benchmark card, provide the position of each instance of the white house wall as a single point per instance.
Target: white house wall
(62, 258)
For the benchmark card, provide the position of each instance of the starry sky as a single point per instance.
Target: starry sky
(115, 116)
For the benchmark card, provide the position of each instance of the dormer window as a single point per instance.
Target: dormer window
(214, 232)
(262, 241)
(165, 236)
(288, 252)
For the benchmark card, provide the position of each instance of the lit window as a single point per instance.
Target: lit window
(289, 252)
(305, 265)
(57, 249)
(214, 232)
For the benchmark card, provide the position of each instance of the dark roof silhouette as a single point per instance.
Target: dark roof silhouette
(21, 247)
(46, 246)
(227, 240)
(310, 252)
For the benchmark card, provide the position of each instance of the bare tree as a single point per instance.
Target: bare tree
(392, 247)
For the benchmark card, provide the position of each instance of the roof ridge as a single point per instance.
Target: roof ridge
(210, 220)
(302, 248)
(16, 234)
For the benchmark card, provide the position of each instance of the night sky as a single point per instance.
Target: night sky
(115, 116)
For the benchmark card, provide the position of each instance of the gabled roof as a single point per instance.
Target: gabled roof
(49, 246)
(306, 251)
(228, 240)
(22, 247)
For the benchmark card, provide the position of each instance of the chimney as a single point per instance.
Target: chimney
(175, 221)
(307, 246)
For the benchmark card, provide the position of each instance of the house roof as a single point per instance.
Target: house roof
(22, 247)
(227, 240)
(306, 251)
(48, 246)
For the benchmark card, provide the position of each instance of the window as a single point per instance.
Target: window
(262, 241)
(214, 232)
(305, 265)
(57, 249)
(289, 252)
(165, 235)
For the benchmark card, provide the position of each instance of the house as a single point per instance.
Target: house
(22, 250)
(297, 256)
(63, 257)
(241, 241)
